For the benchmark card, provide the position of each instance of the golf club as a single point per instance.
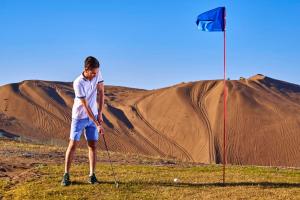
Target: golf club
(116, 183)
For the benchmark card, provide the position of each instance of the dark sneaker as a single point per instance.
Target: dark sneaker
(66, 180)
(92, 179)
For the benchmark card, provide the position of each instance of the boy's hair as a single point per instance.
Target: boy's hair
(91, 63)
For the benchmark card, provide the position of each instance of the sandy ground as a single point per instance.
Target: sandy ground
(20, 161)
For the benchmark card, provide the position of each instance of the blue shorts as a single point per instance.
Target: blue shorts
(78, 125)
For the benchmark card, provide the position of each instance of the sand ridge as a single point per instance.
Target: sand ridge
(184, 121)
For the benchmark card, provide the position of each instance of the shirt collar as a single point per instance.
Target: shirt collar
(83, 77)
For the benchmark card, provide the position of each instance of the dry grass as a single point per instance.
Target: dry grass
(148, 178)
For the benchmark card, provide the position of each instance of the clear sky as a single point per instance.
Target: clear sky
(147, 43)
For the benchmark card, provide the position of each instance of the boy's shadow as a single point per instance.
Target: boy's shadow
(199, 185)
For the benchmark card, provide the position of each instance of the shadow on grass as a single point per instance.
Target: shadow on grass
(186, 184)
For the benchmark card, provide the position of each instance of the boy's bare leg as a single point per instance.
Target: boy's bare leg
(70, 155)
(92, 146)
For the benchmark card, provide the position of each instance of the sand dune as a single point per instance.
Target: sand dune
(184, 121)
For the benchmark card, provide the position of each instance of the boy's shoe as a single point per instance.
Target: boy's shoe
(66, 180)
(92, 179)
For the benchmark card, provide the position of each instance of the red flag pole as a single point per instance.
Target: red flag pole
(224, 101)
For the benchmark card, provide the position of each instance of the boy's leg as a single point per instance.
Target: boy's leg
(92, 146)
(70, 155)
(91, 135)
(77, 125)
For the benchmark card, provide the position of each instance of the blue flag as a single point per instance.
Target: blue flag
(212, 20)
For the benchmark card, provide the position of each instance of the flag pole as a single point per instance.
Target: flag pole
(213, 20)
(224, 101)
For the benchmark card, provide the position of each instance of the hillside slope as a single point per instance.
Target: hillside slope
(184, 121)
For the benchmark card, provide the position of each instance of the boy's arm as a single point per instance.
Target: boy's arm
(100, 99)
(89, 111)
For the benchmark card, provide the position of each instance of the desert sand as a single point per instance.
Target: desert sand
(183, 121)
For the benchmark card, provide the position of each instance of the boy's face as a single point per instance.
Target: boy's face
(91, 73)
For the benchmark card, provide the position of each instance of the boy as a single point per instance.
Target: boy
(89, 91)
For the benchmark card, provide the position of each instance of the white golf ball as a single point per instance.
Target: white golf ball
(175, 180)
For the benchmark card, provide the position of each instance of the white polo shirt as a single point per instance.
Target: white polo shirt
(87, 89)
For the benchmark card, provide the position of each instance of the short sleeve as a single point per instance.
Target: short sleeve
(100, 79)
(79, 90)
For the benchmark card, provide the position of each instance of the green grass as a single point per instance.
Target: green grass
(156, 182)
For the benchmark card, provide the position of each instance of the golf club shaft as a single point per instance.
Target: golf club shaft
(110, 160)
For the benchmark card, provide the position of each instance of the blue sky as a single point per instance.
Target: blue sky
(147, 43)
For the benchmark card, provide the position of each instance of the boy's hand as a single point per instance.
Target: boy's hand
(100, 129)
(100, 118)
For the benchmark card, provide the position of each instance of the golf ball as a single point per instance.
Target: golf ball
(175, 180)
